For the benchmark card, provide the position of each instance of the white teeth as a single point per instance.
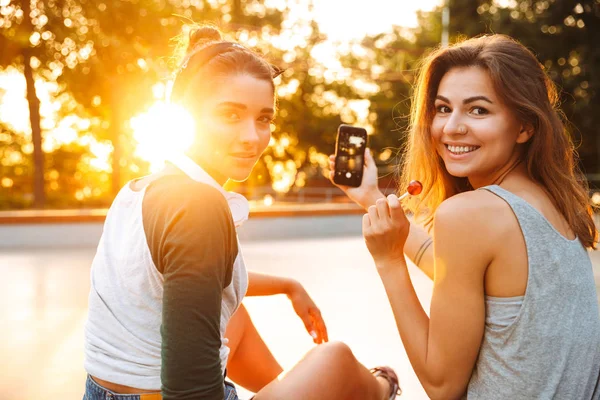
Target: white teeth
(461, 149)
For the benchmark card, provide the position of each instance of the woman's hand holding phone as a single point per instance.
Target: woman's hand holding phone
(368, 192)
(383, 231)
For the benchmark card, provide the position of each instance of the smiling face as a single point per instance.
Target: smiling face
(475, 134)
(233, 126)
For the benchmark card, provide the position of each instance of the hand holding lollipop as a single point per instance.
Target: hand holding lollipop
(385, 227)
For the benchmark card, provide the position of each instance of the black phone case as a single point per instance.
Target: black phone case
(344, 177)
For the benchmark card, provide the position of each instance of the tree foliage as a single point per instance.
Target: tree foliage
(110, 58)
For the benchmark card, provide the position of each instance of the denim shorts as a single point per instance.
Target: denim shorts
(93, 391)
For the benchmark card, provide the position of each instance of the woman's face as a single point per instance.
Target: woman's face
(233, 126)
(475, 134)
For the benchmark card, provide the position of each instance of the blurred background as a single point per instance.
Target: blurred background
(82, 111)
(82, 84)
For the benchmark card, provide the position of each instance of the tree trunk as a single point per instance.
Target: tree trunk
(116, 122)
(237, 14)
(39, 196)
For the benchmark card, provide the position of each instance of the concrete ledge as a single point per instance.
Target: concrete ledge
(82, 234)
(98, 215)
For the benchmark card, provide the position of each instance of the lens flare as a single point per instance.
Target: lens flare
(163, 130)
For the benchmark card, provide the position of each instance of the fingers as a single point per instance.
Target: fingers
(310, 328)
(324, 332)
(332, 174)
(395, 207)
(319, 323)
(378, 214)
(315, 326)
(369, 158)
(366, 224)
(373, 214)
(383, 209)
(385, 213)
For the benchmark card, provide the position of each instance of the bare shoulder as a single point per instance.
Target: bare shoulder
(478, 215)
(472, 208)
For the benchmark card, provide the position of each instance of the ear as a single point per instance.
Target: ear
(525, 133)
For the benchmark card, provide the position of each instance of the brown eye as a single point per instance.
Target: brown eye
(443, 109)
(229, 116)
(265, 120)
(479, 111)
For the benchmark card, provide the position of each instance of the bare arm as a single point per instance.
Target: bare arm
(268, 285)
(304, 306)
(443, 348)
(418, 247)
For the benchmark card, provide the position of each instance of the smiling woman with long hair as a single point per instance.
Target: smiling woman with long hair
(514, 312)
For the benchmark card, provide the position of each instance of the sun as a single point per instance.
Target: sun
(163, 131)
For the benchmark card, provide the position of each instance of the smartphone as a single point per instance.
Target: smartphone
(350, 155)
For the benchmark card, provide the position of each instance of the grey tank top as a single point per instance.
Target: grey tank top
(551, 348)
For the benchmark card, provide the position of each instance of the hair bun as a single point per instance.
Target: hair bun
(202, 35)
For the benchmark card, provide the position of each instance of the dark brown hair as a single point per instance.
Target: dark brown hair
(205, 59)
(521, 83)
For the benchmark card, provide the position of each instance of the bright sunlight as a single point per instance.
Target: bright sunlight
(163, 130)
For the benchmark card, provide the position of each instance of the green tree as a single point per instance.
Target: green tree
(108, 55)
(130, 53)
(15, 169)
(562, 34)
(23, 24)
(312, 103)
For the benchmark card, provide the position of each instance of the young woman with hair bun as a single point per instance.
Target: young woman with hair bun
(165, 313)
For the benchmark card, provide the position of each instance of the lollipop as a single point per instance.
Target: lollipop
(414, 189)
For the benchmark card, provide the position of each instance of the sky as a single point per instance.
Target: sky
(347, 19)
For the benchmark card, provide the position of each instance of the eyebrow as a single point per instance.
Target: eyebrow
(241, 106)
(467, 100)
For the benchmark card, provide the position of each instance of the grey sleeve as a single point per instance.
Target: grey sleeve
(192, 241)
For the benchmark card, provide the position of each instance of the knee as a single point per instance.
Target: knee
(338, 366)
(336, 355)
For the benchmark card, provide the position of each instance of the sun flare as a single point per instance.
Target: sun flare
(163, 130)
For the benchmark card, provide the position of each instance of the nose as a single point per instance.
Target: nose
(455, 125)
(249, 135)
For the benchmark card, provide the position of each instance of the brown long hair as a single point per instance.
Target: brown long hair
(520, 81)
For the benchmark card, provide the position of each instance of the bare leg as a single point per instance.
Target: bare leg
(251, 363)
(329, 371)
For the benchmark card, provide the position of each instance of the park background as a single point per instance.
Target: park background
(82, 84)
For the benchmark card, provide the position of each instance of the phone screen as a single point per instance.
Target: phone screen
(350, 151)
